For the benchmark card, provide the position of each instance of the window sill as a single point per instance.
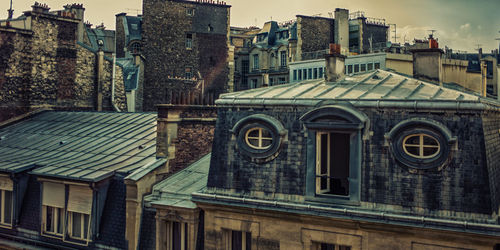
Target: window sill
(7, 226)
(332, 199)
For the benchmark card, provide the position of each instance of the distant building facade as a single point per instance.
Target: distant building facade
(49, 59)
(186, 47)
(267, 60)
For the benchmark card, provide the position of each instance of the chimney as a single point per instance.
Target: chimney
(40, 8)
(342, 29)
(427, 63)
(335, 64)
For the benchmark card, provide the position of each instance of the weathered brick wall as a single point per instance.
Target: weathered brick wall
(113, 220)
(461, 186)
(193, 136)
(165, 27)
(491, 128)
(316, 33)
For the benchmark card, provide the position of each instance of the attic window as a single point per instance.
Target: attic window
(421, 143)
(190, 11)
(259, 138)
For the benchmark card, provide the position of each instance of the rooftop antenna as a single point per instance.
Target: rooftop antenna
(395, 34)
(330, 14)
(431, 35)
(478, 46)
(498, 39)
(11, 11)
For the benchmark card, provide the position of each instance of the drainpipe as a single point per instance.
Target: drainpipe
(113, 85)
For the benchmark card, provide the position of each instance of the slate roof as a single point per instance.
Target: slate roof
(107, 36)
(369, 87)
(134, 27)
(84, 146)
(176, 190)
(130, 72)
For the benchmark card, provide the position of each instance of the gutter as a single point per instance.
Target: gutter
(380, 104)
(422, 221)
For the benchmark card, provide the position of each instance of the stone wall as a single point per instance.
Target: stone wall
(166, 24)
(378, 34)
(46, 67)
(185, 134)
(120, 35)
(314, 33)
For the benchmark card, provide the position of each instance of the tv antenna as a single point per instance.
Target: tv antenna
(395, 34)
(432, 33)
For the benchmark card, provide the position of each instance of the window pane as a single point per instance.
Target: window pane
(266, 133)
(248, 241)
(430, 151)
(325, 246)
(413, 150)
(49, 217)
(77, 225)
(266, 143)
(236, 240)
(324, 154)
(370, 66)
(349, 69)
(377, 65)
(356, 68)
(254, 142)
(176, 236)
(344, 248)
(413, 140)
(60, 221)
(430, 141)
(86, 220)
(253, 133)
(363, 67)
(8, 207)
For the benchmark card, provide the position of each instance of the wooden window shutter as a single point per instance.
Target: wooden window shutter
(80, 199)
(53, 194)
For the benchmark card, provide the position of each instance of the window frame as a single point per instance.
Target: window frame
(249, 123)
(189, 41)
(283, 60)
(82, 218)
(395, 139)
(336, 119)
(56, 220)
(255, 62)
(6, 185)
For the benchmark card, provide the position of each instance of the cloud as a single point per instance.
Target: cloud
(465, 26)
(479, 27)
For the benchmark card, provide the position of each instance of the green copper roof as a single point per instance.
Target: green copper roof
(176, 190)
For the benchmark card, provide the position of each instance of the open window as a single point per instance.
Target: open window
(334, 153)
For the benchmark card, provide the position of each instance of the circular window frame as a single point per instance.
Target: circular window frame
(264, 122)
(260, 138)
(421, 146)
(426, 127)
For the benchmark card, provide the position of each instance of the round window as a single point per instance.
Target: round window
(421, 143)
(259, 138)
(421, 146)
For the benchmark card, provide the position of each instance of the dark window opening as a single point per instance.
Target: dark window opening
(332, 166)
(241, 240)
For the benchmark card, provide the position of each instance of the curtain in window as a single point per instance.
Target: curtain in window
(80, 199)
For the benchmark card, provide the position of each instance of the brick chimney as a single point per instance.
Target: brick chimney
(40, 7)
(335, 64)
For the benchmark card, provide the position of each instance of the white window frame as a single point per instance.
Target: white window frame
(283, 58)
(260, 138)
(57, 211)
(421, 146)
(2, 214)
(319, 175)
(82, 229)
(189, 41)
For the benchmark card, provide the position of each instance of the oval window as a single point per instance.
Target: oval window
(259, 138)
(422, 146)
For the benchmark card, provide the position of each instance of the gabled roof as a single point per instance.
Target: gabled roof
(176, 190)
(363, 89)
(84, 146)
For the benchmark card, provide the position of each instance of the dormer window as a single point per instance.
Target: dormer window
(6, 201)
(421, 146)
(333, 164)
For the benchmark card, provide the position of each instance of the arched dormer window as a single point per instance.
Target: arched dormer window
(334, 153)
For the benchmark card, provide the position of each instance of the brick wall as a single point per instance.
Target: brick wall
(120, 35)
(165, 27)
(185, 131)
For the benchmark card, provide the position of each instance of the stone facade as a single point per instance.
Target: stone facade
(167, 27)
(314, 34)
(185, 133)
(46, 66)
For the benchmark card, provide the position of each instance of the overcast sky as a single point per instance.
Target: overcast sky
(460, 24)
